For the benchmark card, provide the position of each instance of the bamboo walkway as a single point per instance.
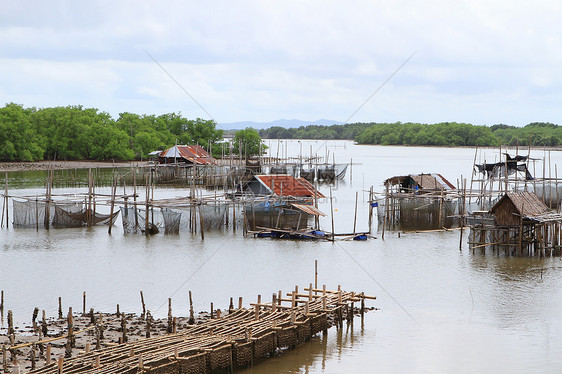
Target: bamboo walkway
(225, 342)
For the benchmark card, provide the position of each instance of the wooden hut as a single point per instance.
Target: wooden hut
(419, 183)
(280, 202)
(520, 223)
(186, 154)
(418, 202)
(514, 206)
(281, 186)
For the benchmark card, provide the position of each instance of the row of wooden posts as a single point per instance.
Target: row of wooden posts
(97, 323)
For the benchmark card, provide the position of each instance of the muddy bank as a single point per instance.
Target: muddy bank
(60, 165)
(86, 336)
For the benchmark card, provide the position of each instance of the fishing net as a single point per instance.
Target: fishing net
(212, 216)
(134, 221)
(68, 215)
(60, 214)
(77, 216)
(172, 220)
(29, 213)
(426, 214)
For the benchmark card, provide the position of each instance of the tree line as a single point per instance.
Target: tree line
(439, 134)
(77, 133)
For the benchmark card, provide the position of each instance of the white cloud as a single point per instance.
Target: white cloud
(477, 61)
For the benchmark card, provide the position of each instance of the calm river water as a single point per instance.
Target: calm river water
(441, 310)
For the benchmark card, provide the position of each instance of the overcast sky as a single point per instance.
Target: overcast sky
(482, 62)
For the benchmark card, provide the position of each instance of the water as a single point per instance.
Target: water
(441, 310)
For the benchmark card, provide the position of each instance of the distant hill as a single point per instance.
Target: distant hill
(286, 123)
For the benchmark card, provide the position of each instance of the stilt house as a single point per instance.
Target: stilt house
(418, 202)
(281, 202)
(522, 225)
(187, 155)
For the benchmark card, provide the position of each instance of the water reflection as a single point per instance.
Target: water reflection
(520, 290)
(474, 312)
(321, 354)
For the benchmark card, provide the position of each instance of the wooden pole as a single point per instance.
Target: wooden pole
(148, 323)
(355, 215)
(143, 305)
(60, 363)
(315, 274)
(370, 209)
(124, 328)
(170, 317)
(5, 205)
(332, 215)
(146, 213)
(44, 327)
(48, 355)
(201, 223)
(191, 320)
(386, 202)
(112, 205)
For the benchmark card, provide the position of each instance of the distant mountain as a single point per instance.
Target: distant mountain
(286, 123)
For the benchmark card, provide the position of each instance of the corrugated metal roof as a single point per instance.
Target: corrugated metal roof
(310, 209)
(527, 204)
(287, 185)
(193, 153)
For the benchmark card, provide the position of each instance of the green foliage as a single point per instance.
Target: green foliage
(439, 134)
(76, 133)
(349, 131)
(248, 142)
(19, 141)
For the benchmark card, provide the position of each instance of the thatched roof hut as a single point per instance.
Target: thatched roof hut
(514, 205)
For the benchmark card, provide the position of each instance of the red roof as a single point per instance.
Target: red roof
(192, 153)
(287, 185)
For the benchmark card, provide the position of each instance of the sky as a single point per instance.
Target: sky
(482, 62)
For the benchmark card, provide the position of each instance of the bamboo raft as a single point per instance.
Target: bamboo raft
(232, 340)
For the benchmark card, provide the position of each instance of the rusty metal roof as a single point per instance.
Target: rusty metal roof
(310, 209)
(192, 153)
(287, 185)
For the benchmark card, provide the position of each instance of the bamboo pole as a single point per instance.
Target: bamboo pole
(332, 215)
(355, 214)
(112, 205)
(143, 306)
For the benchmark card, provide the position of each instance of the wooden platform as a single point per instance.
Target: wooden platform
(228, 341)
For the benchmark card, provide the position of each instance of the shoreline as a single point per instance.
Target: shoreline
(7, 166)
(30, 337)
